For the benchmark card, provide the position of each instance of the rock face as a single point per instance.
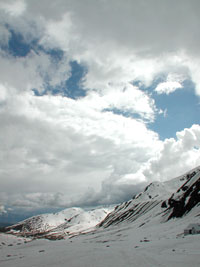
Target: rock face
(186, 197)
(174, 198)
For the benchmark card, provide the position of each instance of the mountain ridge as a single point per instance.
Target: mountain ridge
(167, 198)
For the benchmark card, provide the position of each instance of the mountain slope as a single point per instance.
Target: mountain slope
(165, 200)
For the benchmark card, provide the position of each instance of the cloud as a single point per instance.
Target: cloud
(36, 70)
(173, 82)
(2, 209)
(126, 49)
(176, 155)
(175, 158)
(4, 36)
(167, 87)
(56, 144)
(96, 149)
(114, 48)
(125, 98)
(13, 8)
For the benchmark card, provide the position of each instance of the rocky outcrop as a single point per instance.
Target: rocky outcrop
(186, 197)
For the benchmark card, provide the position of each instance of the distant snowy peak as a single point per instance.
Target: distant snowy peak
(46, 222)
(83, 221)
(172, 198)
(63, 223)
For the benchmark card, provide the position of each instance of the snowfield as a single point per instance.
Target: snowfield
(147, 231)
(155, 245)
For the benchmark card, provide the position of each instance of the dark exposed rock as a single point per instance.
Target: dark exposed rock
(3, 229)
(147, 187)
(186, 198)
(190, 175)
(164, 204)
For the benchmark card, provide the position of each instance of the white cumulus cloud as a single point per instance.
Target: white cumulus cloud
(167, 87)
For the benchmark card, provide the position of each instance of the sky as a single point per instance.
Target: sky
(97, 99)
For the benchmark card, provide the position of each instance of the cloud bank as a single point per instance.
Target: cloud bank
(98, 148)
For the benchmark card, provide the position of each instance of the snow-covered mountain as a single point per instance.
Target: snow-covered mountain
(159, 202)
(164, 200)
(59, 224)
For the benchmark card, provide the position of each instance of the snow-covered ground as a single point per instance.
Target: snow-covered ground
(127, 245)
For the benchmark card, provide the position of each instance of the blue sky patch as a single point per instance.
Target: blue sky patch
(182, 107)
(125, 113)
(73, 84)
(17, 45)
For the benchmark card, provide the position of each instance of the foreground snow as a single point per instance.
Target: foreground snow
(127, 245)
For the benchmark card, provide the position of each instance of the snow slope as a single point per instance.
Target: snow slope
(173, 198)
